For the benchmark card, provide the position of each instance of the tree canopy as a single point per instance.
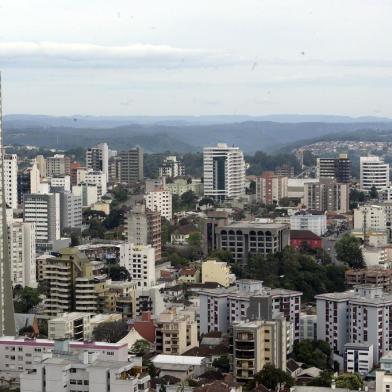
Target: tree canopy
(271, 377)
(25, 298)
(313, 353)
(140, 348)
(348, 251)
(110, 332)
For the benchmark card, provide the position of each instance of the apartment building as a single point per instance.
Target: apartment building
(270, 188)
(97, 158)
(378, 276)
(257, 343)
(99, 179)
(160, 201)
(216, 271)
(358, 316)
(58, 166)
(223, 172)
(307, 326)
(131, 166)
(179, 186)
(10, 168)
(139, 260)
(244, 239)
(22, 253)
(373, 173)
(60, 183)
(176, 332)
(75, 283)
(44, 211)
(144, 228)
(70, 211)
(314, 221)
(66, 369)
(327, 195)
(88, 193)
(221, 307)
(358, 358)
(171, 167)
(370, 218)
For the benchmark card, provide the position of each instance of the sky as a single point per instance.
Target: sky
(196, 57)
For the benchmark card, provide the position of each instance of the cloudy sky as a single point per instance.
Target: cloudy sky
(194, 57)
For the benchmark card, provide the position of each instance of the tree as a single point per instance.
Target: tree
(117, 272)
(373, 194)
(110, 332)
(272, 377)
(115, 218)
(222, 363)
(323, 380)
(140, 348)
(222, 255)
(352, 381)
(25, 298)
(348, 251)
(313, 353)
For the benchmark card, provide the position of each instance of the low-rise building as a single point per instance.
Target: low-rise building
(300, 238)
(216, 271)
(314, 221)
(72, 326)
(358, 358)
(307, 326)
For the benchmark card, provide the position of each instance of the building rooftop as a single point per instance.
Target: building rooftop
(178, 360)
(253, 224)
(303, 235)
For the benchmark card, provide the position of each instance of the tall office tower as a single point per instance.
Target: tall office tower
(21, 237)
(24, 184)
(338, 169)
(171, 167)
(11, 180)
(58, 165)
(373, 172)
(97, 158)
(271, 188)
(131, 166)
(114, 169)
(44, 211)
(224, 172)
(7, 320)
(144, 228)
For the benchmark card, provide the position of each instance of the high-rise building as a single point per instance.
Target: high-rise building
(44, 211)
(271, 188)
(58, 165)
(257, 343)
(41, 165)
(139, 260)
(11, 180)
(22, 253)
(87, 192)
(97, 158)
(70, 211)
(338, 169)
(144, 228)
(62, 183)
(327, 195)
(224, 172)
(247, 300)
(171, 167)
(131, 166)
(362, 315)
(373, 173)
(7, 320)
(23, 187)
(99, 179)
(214, 220)
(160, 201)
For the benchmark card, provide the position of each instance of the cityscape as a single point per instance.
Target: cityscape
(195, 196)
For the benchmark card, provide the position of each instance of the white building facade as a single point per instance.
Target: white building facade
(161, 201)
(373, 172)
(11, 180)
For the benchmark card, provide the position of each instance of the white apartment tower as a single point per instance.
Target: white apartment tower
(21, 238)
(373, 172)
(139, 260)
(97, 158)
(11, 180)
(99, 179)
(224, 172)
(160, 201)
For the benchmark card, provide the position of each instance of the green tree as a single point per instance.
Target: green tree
(272, 377)
(140, 348)
(352, 381)
(348, 250)
(25, 298)
(373, 194)
(111, 331)
(313, 353)
(222, 363)
(117, 272)
(323, 380)
(115, 218)
(222, 255)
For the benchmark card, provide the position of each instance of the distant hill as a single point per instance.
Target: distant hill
(45, 131)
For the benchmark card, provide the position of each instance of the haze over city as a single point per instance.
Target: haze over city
(201, 57)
